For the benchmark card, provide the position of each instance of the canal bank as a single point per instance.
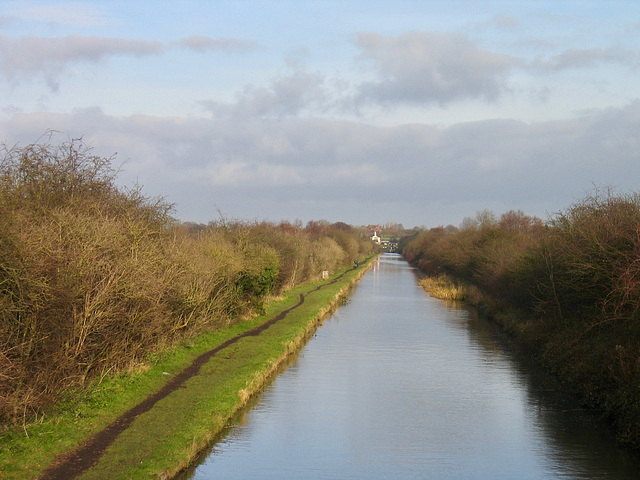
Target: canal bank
(397, 385)
(587, 363)
(157, 434)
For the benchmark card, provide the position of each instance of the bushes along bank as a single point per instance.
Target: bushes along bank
(94, 278)
(569, 288)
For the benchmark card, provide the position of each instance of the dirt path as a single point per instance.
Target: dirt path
(69, 466)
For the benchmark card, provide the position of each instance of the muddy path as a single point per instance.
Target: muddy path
(73, 464)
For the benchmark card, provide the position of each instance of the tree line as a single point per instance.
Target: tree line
(94, 277)
(568, 287)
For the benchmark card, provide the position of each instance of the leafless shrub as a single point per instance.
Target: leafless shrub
(93, 278)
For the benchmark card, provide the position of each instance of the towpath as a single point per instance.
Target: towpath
(73, 464)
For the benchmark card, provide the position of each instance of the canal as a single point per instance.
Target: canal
(399, 385)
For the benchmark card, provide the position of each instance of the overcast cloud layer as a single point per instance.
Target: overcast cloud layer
(363, 112)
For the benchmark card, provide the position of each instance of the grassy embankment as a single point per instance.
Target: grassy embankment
(96, 281)
(165, 439)
(568, 289)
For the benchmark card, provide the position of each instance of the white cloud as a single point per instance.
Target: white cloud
(230, 173)
(505, 21)
(286, 95)
(428, 67)
(498, 22)
(48, 56)
(6, 20)
(64, 13)
(586, 58)
(201, 43)
(311, 168)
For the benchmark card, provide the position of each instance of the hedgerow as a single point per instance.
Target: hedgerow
(94, 278)
(575, 281)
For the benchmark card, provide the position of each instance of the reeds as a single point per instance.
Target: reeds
(443, 287)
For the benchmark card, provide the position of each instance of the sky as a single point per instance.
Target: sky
(419, 112)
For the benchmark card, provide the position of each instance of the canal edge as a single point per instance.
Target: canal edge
(264, 378)
(85, 459)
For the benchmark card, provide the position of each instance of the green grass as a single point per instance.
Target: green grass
(167, 437)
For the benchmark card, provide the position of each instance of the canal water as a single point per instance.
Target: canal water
(399, 385)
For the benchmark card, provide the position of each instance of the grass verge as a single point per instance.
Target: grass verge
(165, 439)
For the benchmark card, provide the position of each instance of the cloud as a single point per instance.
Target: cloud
(201, 43)
(427, 67)
(238, 173)
(6, 20)
(286, 95)
(64, 13)
(585, 58)
(505, 21)
(339, 170)
(498, 22)
(49, 56)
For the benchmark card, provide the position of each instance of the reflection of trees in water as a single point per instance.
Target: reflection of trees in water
(576, 438)
(505, 389)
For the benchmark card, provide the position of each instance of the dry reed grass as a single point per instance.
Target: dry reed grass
(443, 287)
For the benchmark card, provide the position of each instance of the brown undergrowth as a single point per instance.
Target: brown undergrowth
(94, 278)
(569, 288)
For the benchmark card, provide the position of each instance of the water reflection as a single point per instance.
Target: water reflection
(401, 385)
(577, 441)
